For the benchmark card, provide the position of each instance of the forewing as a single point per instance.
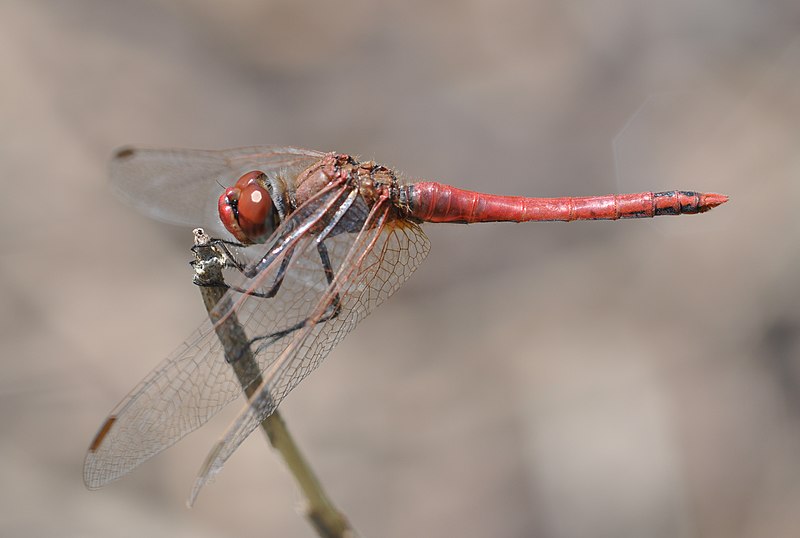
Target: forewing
(370, 267)
(195, 381)
(182, 186)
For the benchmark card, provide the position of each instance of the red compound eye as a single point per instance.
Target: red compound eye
(246, 209)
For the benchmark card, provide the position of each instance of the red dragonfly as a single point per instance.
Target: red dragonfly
(321, 240)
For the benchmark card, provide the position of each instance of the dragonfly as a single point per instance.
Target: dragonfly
(316, 241)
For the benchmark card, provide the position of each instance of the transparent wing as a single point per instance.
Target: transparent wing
(369, 267)
(195, 381)
(181, 186)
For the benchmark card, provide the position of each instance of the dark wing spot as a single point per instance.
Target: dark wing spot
(124, 153)
(98, 439)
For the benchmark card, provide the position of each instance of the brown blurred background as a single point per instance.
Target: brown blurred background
(630, 379)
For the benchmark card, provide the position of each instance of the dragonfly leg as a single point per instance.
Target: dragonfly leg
(331, 313)
(328, 268)
(230, 261)
(227, 255)
(335, 307)
(276, 285)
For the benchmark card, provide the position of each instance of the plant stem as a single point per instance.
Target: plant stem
(209, 261)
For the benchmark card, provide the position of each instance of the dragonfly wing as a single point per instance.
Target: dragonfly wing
(181, 186)
(193, 383)
(173, 400)
(369, 266)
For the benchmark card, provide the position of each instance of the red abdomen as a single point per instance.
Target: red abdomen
(436, 202)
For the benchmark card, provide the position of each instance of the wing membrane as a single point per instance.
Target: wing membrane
(194, 382)
(181, 186)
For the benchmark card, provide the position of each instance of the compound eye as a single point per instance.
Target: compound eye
(246, 209)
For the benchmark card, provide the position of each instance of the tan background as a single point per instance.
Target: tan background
(634, 379)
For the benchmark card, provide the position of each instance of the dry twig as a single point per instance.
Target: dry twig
(323, 515)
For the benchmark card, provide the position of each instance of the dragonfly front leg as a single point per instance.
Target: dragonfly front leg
(221, 246)
(230, 260)
(333, 310)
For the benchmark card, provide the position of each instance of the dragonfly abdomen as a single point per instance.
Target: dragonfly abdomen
(436, 202)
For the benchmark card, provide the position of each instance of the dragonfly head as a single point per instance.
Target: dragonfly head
(246, 209)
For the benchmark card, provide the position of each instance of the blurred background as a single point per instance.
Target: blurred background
(596, 379)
